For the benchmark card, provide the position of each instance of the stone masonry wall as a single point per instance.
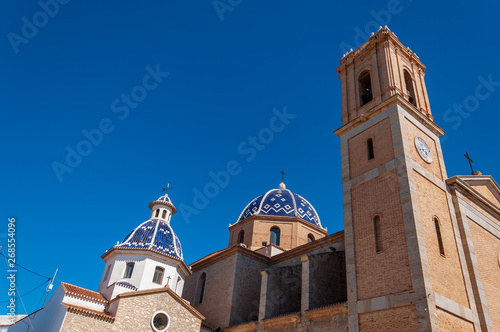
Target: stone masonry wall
(327, 277)
(283, 290)
(77, 322)
(246, 293)
(135, 314)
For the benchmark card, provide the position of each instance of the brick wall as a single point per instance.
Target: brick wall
(400, 319)
(487, 248)
(292, 233)
(218, 291)
(483, 190)
(382, 146)
(446, 272)
(247, 227)
(385, 272)
(449, 322)
(433, 167)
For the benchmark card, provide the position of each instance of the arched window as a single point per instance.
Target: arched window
(438, 233)
(275, 236)
(369, 146)
(241, 237)
(164, 214)
(310, 238)
(129, 270)
(158, 276)
(200, 290)
(365, 87)
(378, 234)
(157, 213)
(410, 92)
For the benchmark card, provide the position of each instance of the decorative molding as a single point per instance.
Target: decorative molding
(244, 327)
(88, 312)
(395, 99)
(165, 289)
(286, 319)
(327, 311)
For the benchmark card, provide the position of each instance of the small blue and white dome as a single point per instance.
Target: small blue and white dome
(283, 203)
(155, 234)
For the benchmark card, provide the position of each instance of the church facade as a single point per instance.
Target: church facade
(420, 250)
(140, 288)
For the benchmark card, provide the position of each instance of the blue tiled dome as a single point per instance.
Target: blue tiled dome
(281, 202)
(156, 235)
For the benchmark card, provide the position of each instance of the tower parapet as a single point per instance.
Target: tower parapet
(378, 70)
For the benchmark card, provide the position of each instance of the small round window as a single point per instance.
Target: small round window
(160, 321)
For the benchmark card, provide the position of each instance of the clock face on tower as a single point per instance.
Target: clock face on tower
(423, 149)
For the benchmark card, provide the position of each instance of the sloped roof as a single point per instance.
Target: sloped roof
(83, 293)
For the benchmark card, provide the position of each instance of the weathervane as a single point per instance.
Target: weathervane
(168, 188)
(282, 176)
(466, 155)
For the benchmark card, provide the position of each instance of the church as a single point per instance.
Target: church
(420, 251)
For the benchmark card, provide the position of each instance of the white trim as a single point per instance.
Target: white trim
(152, 319)
(263, 199)
(246, 207)
(153, 238)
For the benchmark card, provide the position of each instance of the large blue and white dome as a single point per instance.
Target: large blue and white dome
(281, 202)
(155, 234)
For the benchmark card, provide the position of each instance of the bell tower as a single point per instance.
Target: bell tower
(404, 259)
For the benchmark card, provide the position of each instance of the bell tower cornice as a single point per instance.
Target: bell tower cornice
(378, 70)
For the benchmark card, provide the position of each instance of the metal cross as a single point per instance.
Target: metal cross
(282, 175)
(168, 188)
(470, 162)
(168, 280)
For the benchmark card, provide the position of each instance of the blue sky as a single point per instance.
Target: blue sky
(206, 81)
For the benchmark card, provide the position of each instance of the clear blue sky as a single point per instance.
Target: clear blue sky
(227, 71)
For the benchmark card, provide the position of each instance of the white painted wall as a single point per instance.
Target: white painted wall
(49, 319)
(142, 275)
(84, 303)
(160, 215)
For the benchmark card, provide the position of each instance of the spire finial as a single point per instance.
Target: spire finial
(167, 188)
(282, 184)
